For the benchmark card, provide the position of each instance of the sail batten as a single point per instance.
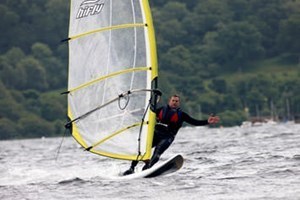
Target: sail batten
(108, 76)
(112, 78)
(121, 26)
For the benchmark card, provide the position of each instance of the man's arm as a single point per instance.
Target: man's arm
(196, 122)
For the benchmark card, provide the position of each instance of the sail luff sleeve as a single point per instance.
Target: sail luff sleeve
(154, 71)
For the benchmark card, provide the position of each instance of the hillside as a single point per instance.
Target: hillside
(236, 58)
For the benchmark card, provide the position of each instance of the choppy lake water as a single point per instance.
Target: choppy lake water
(220, 163)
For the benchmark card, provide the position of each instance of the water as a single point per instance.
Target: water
(222, 163)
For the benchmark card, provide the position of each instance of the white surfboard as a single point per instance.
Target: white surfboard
(169, 166)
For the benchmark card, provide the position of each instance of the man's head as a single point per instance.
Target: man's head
(174, 101)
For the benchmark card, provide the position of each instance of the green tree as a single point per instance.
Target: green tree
(239, 8)
(255, 101)
(51, 64)
(32, 101)
(230, 102)
(56, 11)
(14, 55)
(208, 102)
(238, 43)
(53, 106)
(169, 27)
(172, 14)
(41, 51)
(174, 10)
(219, 85)
(4, 93)
(210, 51)
(12, 76)
(207, 15)
(232, 118)
(7, 73)
(8, 129)
(8, 19)
(35, 73)
(266, 16)
(288, 38)
(34, 126)
(10, 109)
(177, 60)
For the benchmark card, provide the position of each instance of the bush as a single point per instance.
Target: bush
(232, 118)
(33, 126)
(8, 129)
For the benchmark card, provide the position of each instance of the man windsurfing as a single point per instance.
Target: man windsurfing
(169, 120)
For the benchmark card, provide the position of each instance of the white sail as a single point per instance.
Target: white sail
(112, 76)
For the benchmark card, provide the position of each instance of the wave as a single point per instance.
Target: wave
(73, 180)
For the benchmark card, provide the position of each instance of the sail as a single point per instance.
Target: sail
(112, 77)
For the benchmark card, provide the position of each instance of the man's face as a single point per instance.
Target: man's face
(174, 102)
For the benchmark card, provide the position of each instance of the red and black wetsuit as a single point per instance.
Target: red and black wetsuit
(169, 121)
(174, 118)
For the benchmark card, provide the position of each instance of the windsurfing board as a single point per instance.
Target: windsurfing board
(169, 166)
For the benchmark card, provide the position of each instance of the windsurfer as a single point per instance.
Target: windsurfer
(169, 120)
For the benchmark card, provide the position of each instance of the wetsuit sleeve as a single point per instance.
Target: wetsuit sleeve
(192, 121)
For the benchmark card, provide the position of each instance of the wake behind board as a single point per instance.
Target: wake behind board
(169, 166)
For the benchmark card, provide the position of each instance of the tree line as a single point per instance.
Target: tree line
(213, 53)
(238, 58)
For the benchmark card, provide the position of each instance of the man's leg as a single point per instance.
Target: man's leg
(159, 150)
(134, 162)
(131, 169)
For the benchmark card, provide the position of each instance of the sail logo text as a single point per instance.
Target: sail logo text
(89, 7)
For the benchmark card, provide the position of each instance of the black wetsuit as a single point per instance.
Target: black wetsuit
(166, 129)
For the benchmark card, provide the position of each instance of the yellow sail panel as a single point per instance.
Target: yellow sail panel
(112, 74)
